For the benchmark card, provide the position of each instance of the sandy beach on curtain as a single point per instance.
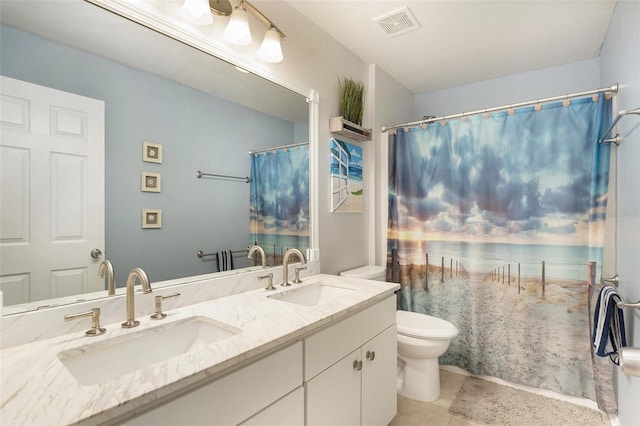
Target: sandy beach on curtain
(523, 338)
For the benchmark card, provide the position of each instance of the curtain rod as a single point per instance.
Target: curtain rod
(293, 145)
(613, 88)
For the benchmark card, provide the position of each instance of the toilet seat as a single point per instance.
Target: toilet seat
(421, 326)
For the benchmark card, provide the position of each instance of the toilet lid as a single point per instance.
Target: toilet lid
(423, 326)
(366, 272)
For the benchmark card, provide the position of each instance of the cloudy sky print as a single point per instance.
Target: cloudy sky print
(279, 195)
(525, 178)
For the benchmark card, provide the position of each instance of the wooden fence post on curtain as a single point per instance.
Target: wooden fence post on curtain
(518, 278)
(395, 272)
(543, 279)
(426, 272)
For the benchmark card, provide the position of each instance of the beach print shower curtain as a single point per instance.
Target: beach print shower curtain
(279, 201)
(492, 222)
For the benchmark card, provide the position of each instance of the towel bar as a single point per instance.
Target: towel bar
(628, 305)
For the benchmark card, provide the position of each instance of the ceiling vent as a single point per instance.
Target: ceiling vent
(398, 22)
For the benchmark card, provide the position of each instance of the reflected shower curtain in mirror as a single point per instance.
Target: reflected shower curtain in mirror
(279, 201)
(492, 222)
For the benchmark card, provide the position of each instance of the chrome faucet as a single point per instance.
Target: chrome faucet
(258, 249)
(285, 264)
(146, 288)
(106, 266)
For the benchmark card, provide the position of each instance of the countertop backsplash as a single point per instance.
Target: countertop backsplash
(27, 327)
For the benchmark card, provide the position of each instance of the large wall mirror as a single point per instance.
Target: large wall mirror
(204, 114)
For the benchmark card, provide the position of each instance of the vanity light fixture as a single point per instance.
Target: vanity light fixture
(270, 49)
(200, 10)
(238, 31)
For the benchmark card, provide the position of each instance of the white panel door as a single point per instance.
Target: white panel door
(51, 192)
(333, 396)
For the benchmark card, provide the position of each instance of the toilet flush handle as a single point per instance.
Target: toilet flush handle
(371, 355)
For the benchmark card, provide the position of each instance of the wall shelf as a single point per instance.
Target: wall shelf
(342, 127)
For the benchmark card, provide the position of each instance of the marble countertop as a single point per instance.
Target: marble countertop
(38, 389)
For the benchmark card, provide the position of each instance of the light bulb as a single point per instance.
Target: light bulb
(200, 10)
(270, 49)
(237, 31)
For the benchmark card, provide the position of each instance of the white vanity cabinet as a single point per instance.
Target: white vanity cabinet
(239, 395)
(343, 374)
(344, 386)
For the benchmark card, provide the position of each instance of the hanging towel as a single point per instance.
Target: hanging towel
(231, 260)
(609, 334)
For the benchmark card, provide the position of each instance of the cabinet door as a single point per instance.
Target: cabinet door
(288, 411)
(333, 397)
(379, 400)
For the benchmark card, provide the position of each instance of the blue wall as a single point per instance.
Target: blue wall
(197, 132)
(547, 82)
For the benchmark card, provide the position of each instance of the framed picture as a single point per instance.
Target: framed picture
(151, 218)
(151, 152)
(150, 182)
(346, 177)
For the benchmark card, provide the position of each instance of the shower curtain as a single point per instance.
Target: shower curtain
(492, 222)
(279, 201)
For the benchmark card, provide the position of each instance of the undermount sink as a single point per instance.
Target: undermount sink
(105, 360)
(312, 294)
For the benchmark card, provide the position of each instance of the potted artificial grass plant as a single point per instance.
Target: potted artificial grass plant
(351, 100)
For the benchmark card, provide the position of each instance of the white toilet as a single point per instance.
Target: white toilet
(421, 340)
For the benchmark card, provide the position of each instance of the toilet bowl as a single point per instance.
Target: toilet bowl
(421, 340)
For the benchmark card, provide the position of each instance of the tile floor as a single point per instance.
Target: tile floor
(417, 413)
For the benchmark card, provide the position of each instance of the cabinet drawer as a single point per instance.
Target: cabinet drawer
(235, 397)
(289, 411)
(333, 343)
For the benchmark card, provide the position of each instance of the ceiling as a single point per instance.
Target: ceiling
(462, 42)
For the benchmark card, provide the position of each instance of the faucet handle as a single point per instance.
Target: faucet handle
(94, 313)
(296, 277)
(159, 314)
(268, 276)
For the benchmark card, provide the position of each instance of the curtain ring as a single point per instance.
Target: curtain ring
(464, 118)
(566, 102)
(538, 106)
(511, 110)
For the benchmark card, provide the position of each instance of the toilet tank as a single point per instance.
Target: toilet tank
(369, 272)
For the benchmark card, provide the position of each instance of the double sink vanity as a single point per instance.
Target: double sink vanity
(319, 352)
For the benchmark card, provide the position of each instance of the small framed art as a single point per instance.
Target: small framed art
(152, 218)
(151, 152)
(150, 182)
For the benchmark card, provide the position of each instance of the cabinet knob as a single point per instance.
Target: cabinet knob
(371, 355)
(357, 365)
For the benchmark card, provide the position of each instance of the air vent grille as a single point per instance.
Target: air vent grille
(398, 22)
